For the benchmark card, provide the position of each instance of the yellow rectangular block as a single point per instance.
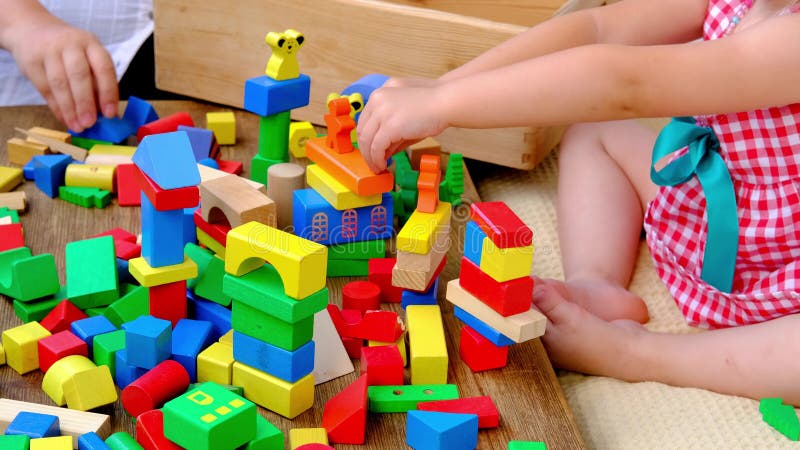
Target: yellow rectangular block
(22, 346)
(427, 344)
(90, 389)
(227, 338)
(72, 423)
(303, 436)
(10, 177)
(282, 397)
(420, 231)
(61, 136)
(223, 124)
(210, 243)
(335, 192)
(52, 443)
(156, 276)
(21, 151)
(215, 363)
(519, 327)
(401, 346)
(117, 150)
(504, 264)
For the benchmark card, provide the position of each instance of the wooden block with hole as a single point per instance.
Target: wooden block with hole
(233, 199)
(519, 327)
(72, 423)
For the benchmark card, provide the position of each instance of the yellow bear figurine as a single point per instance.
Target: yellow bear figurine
(282, 64)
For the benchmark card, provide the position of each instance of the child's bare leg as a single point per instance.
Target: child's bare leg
(604, 187)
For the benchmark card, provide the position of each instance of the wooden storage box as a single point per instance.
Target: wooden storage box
(208, 49)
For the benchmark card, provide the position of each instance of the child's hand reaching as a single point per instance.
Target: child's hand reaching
(396, 117)
(70, 68)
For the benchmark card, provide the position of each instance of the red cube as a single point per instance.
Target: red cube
(479, 353)
(168, 301)
(56, 346)
(383, 365)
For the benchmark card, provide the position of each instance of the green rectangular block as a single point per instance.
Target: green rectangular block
(5, 212)
(262, 290)
(526, 445)
(392, 399)
(92, 272)
(17, 442)
(35, 311)
(348, 268)
(87, 143)
(105, 347)
(122, 441)
(210, 272)
(268, 437)
(134, 303)
(273, 136)
(358, 250)
(238, 390)
(254, 323)
(210, 417)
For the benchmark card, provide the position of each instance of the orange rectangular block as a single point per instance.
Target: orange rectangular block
(349, 168)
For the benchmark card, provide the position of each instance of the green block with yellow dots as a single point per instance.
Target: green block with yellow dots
(210, 417)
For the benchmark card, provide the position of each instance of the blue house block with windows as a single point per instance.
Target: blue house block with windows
(316, 220)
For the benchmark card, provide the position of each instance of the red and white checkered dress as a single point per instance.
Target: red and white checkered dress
(762, 151)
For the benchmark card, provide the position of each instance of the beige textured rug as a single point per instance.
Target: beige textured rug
(614, 414)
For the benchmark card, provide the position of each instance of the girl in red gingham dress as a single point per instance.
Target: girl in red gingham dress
(718, 192)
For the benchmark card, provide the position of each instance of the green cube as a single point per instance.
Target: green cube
(18, 442)
(392, 399)
(268, 437)
(105, 347)
(25, 277)
(264, 327)
(210, 418)
(13, 214)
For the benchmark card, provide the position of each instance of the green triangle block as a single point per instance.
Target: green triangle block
(130, 306)
(268, 436)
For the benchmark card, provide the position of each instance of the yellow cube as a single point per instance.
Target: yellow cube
(427, 343)
(504, 264)
(10, 177)
(22, 346)
(90, 389)
(335, 193)
(61, 371)
(52, 443)
(302, 436)
(223, 124)
(282, 397)
(215, 363)
(149, 276)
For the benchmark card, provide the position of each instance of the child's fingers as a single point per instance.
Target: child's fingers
(380, 144)
(59, 86)
(105, 78)
(80, 81)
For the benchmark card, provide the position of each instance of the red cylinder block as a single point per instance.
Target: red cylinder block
(361, 295)
(162, 383)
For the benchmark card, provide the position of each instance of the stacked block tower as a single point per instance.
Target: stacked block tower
(168, 178)
(273, 96)
(492, 296)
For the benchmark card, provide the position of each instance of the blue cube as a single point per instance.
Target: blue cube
(148, 341)
(124, 372)
(34, 425)
(189, 338)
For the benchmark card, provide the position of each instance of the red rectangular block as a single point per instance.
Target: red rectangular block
(382, 365)
(217, 231)
(234, 167)
(168, 301)
(167, 199)
(483, 407)
(507, 298)
(61, 317)
(56, 346)
(127, 188)
(11, 236)
(380, 273)
(479, 353)
(164, 125)
(501, 225)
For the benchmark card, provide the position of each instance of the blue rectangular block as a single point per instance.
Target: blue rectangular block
(189, 338)
(316, 220)
(162, 235)
(189, 228)
(148, 341)
(34, 425)
(139, 112)
(28, 171)
(87, 329)
(420, 298)
(91, 441)
(201, 140)
(218, 315)
(113, 130)
(491, 335)
(49, 172)
(428, 430)
(265, 96)
(124, 372)
(473, 242)
(286, 365)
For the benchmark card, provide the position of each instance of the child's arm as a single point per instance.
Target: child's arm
(70, 67)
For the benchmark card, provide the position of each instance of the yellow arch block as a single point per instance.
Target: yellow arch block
(60, 372)
(302, 264)
(504, 264)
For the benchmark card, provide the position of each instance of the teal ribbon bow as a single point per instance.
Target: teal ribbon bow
(703, 159)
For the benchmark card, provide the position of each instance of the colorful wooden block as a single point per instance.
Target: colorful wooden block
(167, 199)
(148, 341)
(168, 301)
(489, 333)
(105, 346)
(526, 445)
(208, 173)
(85, 143)
(150, 431)
(127, 188)
(428, 183)
(15, 442)
(345, 414)
(303, 436)
(164, 125)
(139, 112)
(189, 338)
(480, 354)
(282, 180)
(299, 134)
(501, 224)
(483, 407)
(52, 443)
(149, 276)
(61, 371)
(519, 327)
(287, 365)
(13, 200)
(227, 338)
(361, 295)
(90, 175)
(330, 356)
(427, 430)
(24, 277)
(384, 326)
(316, 220)
(218, 315)
(133, 304)
(336, 193)
(400, 343)
(87, 329)
(56, 346)
(217, 232)
(124, 372)
(200, 139)
(360, 250)
(473, 242)
(403, 398)
(92, 272)
(380, 273)
(382, 365)
(230, 166)
(50, 171)
(340, 125)
(427, 262)
(72, 423)
(427, 345)
(34, 425)
(162, 383)
(301, 263)
(267, 328)
(209, 417)
(282, 397)
(262, 290)
(505, 264)
(223, 125)
(418, 280)
(162, 235)
(87, 197)
(90, 389)
(260, 164)
(109, 129)
(215, 363)
(122, 441)
(21, 346)
(265, 96)
(268, 436)
(91, 441)
(10, 178)
(349, 168)
(35, 311)
(507, 298)
(168, 160)
(282, 64)
(21, 151)
(427, 146)
(58, 135)
(57, 145)
(421, 230)
(347, 268)
(231, 200)
(428, 297)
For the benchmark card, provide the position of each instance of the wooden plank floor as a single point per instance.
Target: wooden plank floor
(527, 394)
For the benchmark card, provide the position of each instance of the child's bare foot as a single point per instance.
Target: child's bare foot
(601, 298)
(578, 340)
